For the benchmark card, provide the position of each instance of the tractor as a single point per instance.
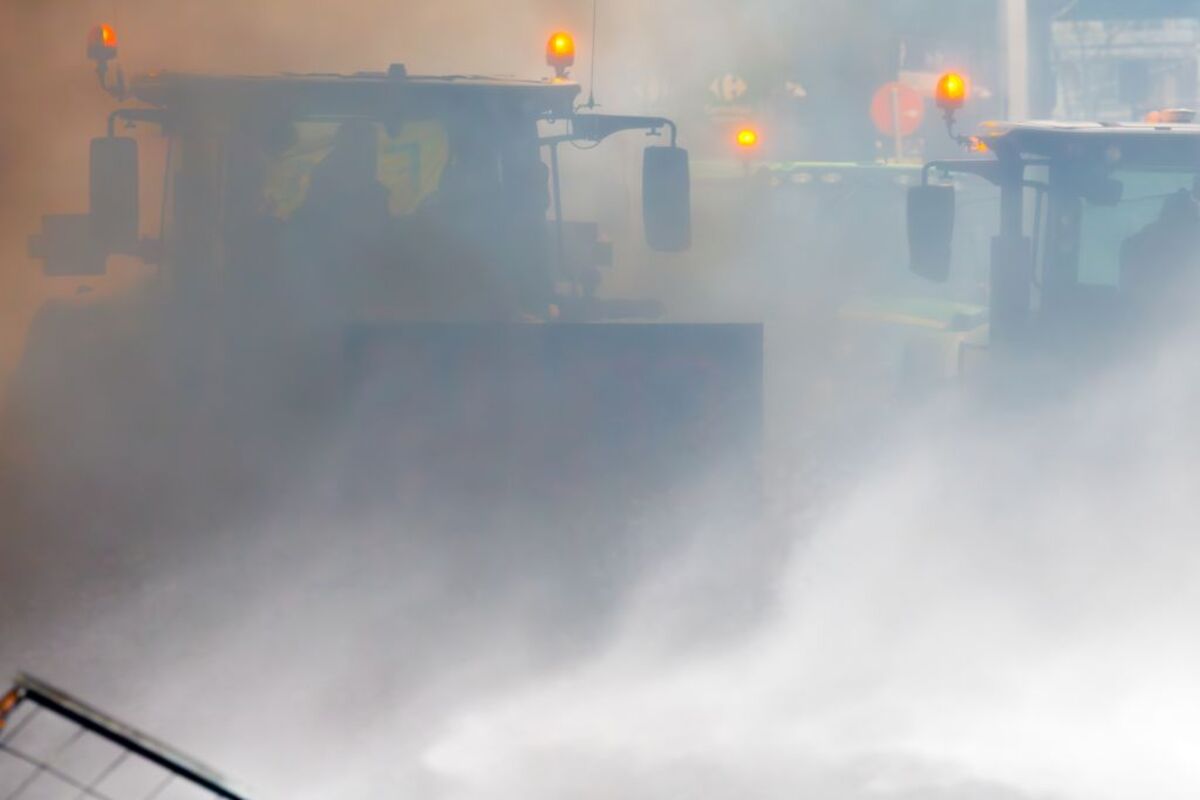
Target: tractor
(366, 280)
(1095, 251)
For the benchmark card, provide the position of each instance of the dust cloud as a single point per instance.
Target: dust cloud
(989, 607)
(999, 610)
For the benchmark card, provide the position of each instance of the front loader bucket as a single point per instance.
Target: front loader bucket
(597, 422)
(607, 415)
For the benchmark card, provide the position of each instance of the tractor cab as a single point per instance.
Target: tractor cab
(371, 195)
(1098, 241)
(378, 259)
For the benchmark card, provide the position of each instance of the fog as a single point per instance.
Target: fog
(932, 599)
(994, 611)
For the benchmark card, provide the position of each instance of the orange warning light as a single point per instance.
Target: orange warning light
(560, 52)
(746, 138)
(102, 42)
(951, 91)
(7, 704)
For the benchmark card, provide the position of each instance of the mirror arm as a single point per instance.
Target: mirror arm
(967, 142)
(135, 115)
(117, 87)
(993, 172)
(598, 127)
(986, 169)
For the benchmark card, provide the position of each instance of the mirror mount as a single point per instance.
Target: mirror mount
(666, 180)
(598, 127)
(132, 116)
(991, 171)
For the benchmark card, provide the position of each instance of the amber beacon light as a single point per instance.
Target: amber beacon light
(560, 52)
(951, 91)
(746, 138)
(102, 43)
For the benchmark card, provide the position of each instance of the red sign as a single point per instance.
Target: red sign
(897, 107)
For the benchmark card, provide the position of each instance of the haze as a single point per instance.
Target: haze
(931, 601)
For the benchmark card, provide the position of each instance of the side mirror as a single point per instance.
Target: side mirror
(67, 247)
(113, 193)
(666, 199)
(930, 229)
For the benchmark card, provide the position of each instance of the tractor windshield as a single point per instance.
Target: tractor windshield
(1120, 248)
(1115, 241)
(425, 220)
(407, 162)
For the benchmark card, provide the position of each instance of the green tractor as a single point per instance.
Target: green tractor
(368, 276)
(1095, 251)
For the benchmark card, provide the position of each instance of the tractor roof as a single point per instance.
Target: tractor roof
(363, 92)
(1134, 144)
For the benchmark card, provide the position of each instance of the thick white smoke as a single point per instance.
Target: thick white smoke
(1001, 608)
(994, 606)
(998, 606)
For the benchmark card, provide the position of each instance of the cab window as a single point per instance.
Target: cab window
(409, 162)
(1105, 229)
